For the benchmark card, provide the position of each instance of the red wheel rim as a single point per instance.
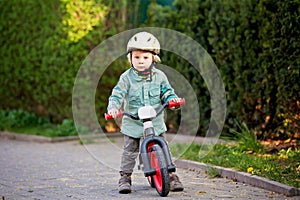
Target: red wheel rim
(157, 177)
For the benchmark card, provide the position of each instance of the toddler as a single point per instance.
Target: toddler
(140, 85)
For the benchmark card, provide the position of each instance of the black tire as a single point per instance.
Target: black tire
(161, 179)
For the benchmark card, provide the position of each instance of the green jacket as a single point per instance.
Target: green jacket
(133, 92)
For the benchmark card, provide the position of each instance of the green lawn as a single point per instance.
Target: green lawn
(283, 166)
(49, 130)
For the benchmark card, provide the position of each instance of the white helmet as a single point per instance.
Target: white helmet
(143, 41)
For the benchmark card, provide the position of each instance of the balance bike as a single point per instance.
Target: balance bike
(155, 158)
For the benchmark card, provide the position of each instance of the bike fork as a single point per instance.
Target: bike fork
(148, 171)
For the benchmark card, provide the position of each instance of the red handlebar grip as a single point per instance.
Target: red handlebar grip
(173, 103)
(108, 116)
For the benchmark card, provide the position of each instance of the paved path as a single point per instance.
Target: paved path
(67, 170)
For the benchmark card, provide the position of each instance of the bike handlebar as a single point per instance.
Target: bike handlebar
(170, 104)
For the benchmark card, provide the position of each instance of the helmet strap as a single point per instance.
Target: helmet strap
(146, 74)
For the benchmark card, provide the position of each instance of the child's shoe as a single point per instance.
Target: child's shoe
(125, 184)
(175, 184)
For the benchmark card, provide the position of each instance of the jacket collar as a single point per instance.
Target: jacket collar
(145, 75)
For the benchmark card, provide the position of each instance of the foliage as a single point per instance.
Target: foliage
(252, 49)
(40, 53)
(246, 139)
(21, 121)
(19, 118)
(81, 17)
(282, 167)
(255, 45)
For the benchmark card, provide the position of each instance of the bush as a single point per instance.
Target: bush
(43, 45)
(19, 118)
(255, 44)
(29, 123)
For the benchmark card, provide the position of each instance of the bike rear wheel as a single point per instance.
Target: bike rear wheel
(161, 179)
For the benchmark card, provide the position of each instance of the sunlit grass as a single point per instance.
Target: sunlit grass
(283, 167)
(245, 153)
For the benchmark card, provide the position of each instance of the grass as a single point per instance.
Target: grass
(283, 167)
(50, 130)
(20, 121)
(248, 155)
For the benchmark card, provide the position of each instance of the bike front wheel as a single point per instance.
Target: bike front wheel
(161, 179)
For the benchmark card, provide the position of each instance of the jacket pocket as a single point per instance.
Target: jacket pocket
(154, 94)
(134, 103)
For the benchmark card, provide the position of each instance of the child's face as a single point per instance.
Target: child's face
(141, 60)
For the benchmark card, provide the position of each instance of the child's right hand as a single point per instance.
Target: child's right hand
(113, 112)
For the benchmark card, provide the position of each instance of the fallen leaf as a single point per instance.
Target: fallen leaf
(201, 192)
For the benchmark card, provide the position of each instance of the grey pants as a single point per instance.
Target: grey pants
(130, 153)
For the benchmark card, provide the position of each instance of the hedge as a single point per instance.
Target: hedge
(255, 44)
(43, 44)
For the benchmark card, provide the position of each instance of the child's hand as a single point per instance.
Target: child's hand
(177, 100)
(113, 112)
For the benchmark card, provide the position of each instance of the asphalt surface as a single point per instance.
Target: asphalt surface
(69, 170)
